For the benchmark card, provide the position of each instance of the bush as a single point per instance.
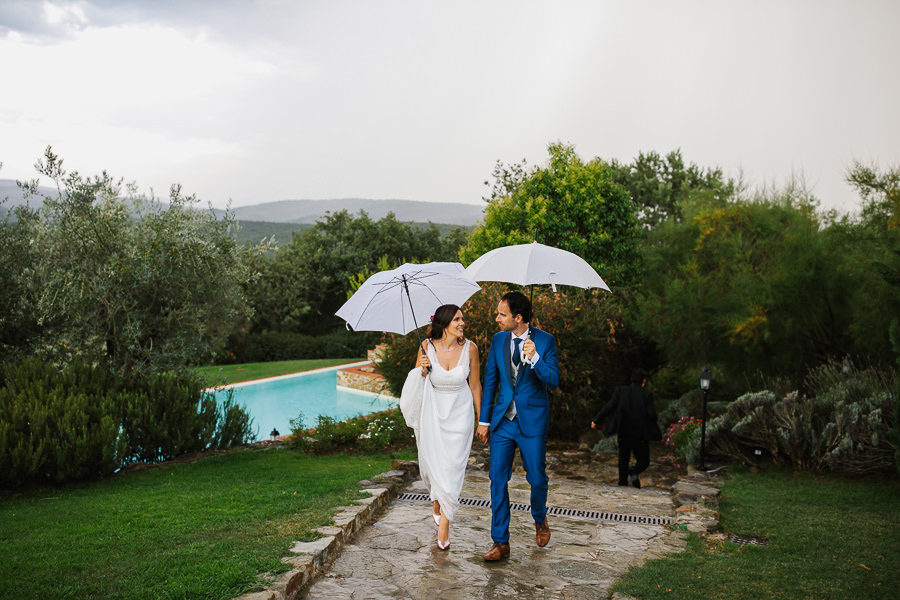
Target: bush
(895, 429)
(688, 405)
(58, 426)
(380, 431)
(83, 422)
(386, 429)
(844, 427)
(272, 346)
(682, 442)
(167, 415)
(342, 343)
(278, 345)
(235, 427)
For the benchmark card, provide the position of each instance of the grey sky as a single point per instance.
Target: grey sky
(268, 100)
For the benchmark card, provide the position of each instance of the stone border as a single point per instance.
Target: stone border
(310, 559)
(696, 500)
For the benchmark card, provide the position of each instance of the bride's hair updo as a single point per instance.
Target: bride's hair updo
(443, 316)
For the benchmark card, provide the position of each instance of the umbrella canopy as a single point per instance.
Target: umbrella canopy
(403, 299)
(530, 264)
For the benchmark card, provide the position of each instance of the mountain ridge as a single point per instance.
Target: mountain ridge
(310, 211)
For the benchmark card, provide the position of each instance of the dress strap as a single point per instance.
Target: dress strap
(464, 353)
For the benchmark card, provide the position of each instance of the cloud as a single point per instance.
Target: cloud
(272, 99)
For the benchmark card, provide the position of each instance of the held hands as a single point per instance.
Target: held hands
(483, 433)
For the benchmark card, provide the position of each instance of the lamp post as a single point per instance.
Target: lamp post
(705, 379)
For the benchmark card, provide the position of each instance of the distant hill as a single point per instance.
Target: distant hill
(254, 231)
(10, 191)
(310, 211)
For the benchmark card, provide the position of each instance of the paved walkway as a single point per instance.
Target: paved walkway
(599, 531)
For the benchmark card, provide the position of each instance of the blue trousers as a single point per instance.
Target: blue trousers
(504, 441)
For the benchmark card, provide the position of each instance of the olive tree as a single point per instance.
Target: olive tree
(112, 274)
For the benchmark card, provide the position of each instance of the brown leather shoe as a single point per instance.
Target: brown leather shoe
(542, 533)
(497, 552)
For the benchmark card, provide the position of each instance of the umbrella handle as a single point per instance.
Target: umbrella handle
(426, 356)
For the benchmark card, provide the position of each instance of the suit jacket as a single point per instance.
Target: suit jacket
(530, 388)
(631, 413)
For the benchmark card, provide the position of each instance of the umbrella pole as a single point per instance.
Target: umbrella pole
(413, 313)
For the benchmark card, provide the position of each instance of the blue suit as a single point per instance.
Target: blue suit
(528, 431)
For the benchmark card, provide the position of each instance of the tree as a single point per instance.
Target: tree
(568, 204)
(17, 319)
(880, 194)
(147, 286)
(755, 287)
(872, 254)
(305, 283)
(660, 188)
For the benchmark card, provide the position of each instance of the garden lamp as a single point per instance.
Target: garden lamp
(705, 380)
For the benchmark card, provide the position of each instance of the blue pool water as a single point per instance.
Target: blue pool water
(274, 402)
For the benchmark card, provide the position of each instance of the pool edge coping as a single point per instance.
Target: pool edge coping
(287, 375)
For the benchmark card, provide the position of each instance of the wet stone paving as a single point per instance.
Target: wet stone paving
(395, 555)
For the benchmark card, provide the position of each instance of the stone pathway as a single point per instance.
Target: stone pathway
(395, 557)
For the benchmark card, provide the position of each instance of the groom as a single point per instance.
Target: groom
(515, 413)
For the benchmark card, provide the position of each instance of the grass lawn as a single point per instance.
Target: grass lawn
(829, 538)
(225, 374)
(203, 529)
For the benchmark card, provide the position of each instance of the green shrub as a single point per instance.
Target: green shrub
(331, 434)
(397, 358)
(83, 421)
(300, 437)
(386, 429)
(345, 344)
(271, 346)
(167, 415)
(234, 424)
(50, 430)
(682, 442)
(895, 429)
(280, 345)
(378, 432)
(843, 428)
(689, 404)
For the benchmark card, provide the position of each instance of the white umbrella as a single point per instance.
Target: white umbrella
(399, 300)
(530, 264)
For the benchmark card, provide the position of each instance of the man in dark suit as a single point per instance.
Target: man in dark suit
(633, 418)
(515, 413)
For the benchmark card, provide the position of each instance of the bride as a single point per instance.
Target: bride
(444, 436)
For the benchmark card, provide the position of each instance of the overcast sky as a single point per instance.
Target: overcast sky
(263, 100)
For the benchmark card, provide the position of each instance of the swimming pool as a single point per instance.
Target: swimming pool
(273, 402)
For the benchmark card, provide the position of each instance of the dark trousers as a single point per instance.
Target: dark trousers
(641, 450)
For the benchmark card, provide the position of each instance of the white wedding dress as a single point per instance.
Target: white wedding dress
(444, 438)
